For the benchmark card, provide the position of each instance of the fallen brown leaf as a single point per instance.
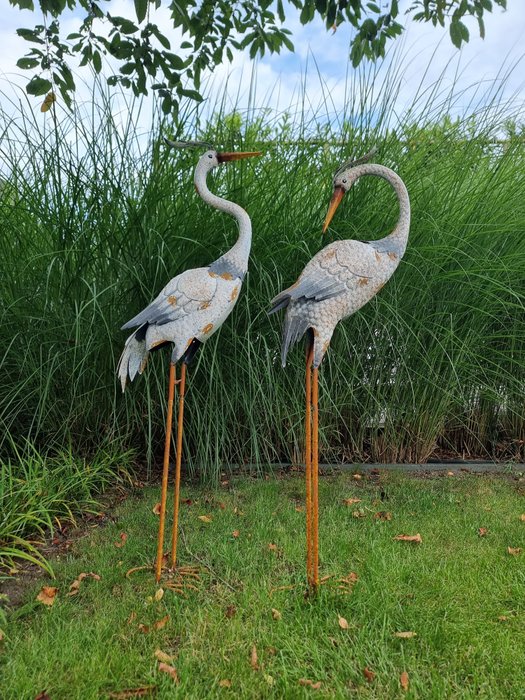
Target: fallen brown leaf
(343, 624)
(383, 515)
(2, 635)
(225, 683)
(368, 674)
(276, 614)
(73, 588)
(450, 473)
(309, 683)
(132, 617)
(351, 501)
(503, 618)
(156, 508)
(522, 517)
(205, 518)
(132, 692)
(187, 501)
(159, 593)
(253, 659)
(235, 533)
(482, 531)
(272, 547)
(43, 696)
(358, 513)
(47, 595)
(170, 670)
(161, 623)
(143, 628)
(299, 509)
(409, 538)
(123, 538)
(403, 679)
(238, 511)
(357, 477)
(222, 505)
(162, 656)
(514, 551)
(405, 635)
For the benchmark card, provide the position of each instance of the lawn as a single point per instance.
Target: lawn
(247, 630)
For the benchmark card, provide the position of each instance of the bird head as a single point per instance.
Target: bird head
(344, 178)
(212, 158)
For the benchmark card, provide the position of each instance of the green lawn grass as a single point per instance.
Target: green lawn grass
(462, 594)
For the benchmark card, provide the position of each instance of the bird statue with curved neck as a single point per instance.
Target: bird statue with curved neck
(186, 313)
(337, 281)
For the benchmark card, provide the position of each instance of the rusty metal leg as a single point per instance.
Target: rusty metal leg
(176, 498)
(165, 471)
(308, 462)
(315, 478)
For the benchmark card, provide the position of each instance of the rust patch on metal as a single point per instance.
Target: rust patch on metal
(234, 294)
(172, 300)
(380, 287)
(363, 281)
(325, 345)
(226, 276)
(330, 254)
(315, 332)
(143, 364)
(204, 305)
(207, 328)
(378, 257)
(392, 256)
(212, 274)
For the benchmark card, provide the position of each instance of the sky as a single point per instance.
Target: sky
(317, 75)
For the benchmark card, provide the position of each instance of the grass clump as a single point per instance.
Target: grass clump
(461, 594)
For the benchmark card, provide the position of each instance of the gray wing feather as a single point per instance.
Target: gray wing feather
(316, 285)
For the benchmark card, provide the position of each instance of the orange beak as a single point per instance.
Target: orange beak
(226, 157)
(334, 203)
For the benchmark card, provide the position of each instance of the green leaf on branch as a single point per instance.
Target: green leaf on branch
(141, 9)
(38, 86)
(27, 63)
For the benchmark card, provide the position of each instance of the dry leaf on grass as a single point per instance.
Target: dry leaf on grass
(299, 509)
(253, 659)
(161, 623)
(405, 635)
(162, 656)
(522, 517)
(225, 683)
(417, 539)
(514, 551)
(230, 611)
(503, 618)
(43, 696)
(269, 679)
(311, 684)
(482, 531)
(357, 477)
(383, 515)
(205, 518)
(156, 508)
(235, 533)
(132, 617)
(143, 628)
(358, 513)
(170, 670)
(2, 635)
(133, 692)
(343, 624)
(73, 588)
(276, 614)
(272, 547)
(403, 679)
(351, 501)
(368, 674)
(47, 595)
(450, 473)
(123, 538)
(159, 594)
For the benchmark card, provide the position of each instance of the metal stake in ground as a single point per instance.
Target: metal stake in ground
(190, 308)
(338, 281)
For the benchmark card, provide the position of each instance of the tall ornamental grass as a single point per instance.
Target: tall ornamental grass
(95, 218)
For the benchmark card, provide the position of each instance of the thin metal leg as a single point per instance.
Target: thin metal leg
(165, 472)
(315, 478)
(176, 498)
(308, 462)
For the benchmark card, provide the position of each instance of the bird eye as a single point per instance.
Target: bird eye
(344, 182)
(210, 155)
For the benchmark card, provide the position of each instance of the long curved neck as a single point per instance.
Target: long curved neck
(396, 241)
(237, 256)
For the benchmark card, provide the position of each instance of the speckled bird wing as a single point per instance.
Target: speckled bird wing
(183, 295)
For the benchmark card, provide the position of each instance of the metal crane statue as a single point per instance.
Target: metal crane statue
(338, 281)
(187, 312)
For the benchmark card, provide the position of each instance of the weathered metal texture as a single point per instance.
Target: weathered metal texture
(194, 304)
(344, 275)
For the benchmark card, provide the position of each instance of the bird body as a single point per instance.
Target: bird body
(344, 275)
(194, 304)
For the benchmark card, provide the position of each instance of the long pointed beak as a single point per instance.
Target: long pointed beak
(334, 203)
(226, 157)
